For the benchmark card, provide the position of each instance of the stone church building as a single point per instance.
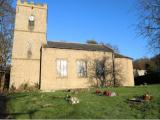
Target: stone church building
(57, 65)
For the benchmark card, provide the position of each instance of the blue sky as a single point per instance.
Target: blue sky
(108, 21)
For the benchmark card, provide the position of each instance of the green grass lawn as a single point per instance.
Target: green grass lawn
(53, 105)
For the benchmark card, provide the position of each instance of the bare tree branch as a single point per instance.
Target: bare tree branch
(6, 31)
(149, 23)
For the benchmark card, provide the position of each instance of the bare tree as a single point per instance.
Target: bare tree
(149, 22)
(98, 70)
(101, 70)
(7, 14)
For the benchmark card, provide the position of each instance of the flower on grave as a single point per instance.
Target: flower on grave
(73, 100)
(98, 91)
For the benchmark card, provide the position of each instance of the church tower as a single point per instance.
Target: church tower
(29, 37)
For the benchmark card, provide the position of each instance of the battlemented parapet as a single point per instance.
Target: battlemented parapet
(31, 4)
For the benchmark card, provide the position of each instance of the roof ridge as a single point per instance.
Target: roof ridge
(118, 55)
(78, 46)
(108, 47)
(77, 43)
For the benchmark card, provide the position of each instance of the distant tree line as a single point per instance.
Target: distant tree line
(150, 64)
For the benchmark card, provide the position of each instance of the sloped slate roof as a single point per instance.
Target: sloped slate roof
(78, 46)
(117, 55)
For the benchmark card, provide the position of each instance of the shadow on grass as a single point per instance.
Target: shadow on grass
(4, 113)
(3, 106)
(13, 115)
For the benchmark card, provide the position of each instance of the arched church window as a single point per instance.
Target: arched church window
(31, 22)
(29, 50)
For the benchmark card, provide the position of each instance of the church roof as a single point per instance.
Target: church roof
(117, 55)
(78, 46)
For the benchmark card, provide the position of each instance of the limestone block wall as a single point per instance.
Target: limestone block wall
(125, 67)
(24, 71)
(25, 64)
(27, 45)
(49, 78)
